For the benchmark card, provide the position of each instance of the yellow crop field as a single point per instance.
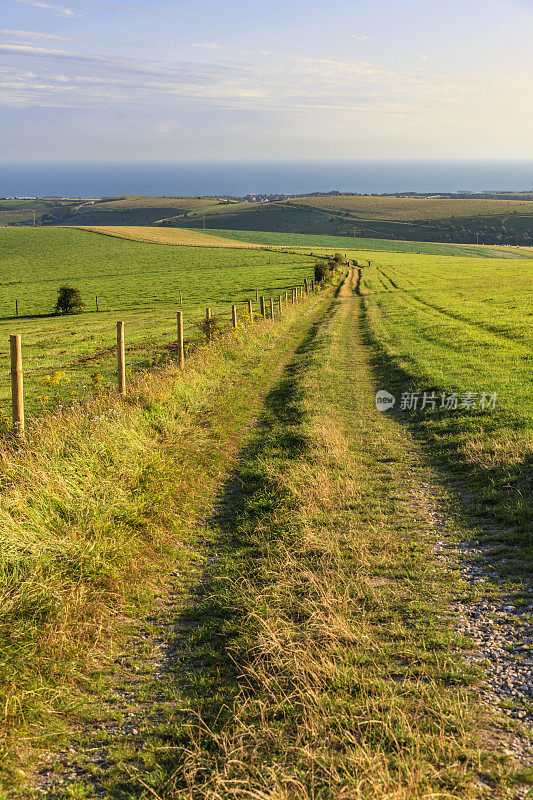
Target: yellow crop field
(181, 236)
(414, 208)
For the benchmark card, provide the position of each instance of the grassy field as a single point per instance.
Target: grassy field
(136, 282)
(463, 326)
(297, 240)
(407, 209)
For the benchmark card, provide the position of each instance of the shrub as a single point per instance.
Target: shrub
(69, 301)
(211, 328)
(321, 271)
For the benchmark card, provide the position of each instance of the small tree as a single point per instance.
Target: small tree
(69, 301)
(338, 258)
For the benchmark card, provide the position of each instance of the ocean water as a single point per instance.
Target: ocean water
(98, 179)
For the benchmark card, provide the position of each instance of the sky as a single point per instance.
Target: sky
(86, 80)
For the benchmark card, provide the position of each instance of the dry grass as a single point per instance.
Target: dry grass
(179, 236)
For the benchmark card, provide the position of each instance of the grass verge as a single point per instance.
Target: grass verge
(99, 507)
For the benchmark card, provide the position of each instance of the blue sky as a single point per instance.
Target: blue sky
(84, 80)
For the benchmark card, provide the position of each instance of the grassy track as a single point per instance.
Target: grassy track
(314, 658)
(134, 281)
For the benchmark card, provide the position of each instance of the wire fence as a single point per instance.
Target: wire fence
(126, 348)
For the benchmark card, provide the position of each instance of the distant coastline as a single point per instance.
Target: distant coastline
(97, 179)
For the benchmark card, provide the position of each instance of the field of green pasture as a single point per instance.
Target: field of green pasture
(135, 282)
(463, 327)
(347, 242)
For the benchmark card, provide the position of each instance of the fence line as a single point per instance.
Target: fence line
(17, 390)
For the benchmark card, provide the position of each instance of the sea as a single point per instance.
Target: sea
(240, 178)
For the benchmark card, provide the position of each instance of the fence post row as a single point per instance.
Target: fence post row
(17, 391)
(180, 339)
(121, 360)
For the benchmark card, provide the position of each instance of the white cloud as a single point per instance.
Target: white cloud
(58, 11)
(164, 127)
(423, 57)
(36, 35)
(117, 7)
(31, 49)
(359, 36)
(206, 45)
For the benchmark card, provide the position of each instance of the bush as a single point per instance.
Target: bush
(69, 301)
(321, 271)
(211, 328)
(338, 258)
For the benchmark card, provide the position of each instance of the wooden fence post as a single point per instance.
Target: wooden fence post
(279, 305)
(208, 317)
(271, 308)
(121, 360)
(16, 308)
(250, 312)
(17, 390)
(181, 300)
(234, 316)
(262, 306)
(256, 295)
(97, 303)
(181, 351)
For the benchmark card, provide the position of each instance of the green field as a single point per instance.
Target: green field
(230, 577)
(135, 282)
(462, 326)
(348, 242)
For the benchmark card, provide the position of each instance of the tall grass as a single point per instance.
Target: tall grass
(97, 508)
